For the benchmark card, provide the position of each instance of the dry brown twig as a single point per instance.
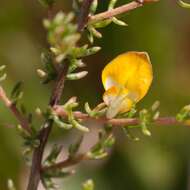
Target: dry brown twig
(66, 163)
(119, 10)
(24, 123)
(79, 115)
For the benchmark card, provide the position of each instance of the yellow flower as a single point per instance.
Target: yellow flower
(126, 79)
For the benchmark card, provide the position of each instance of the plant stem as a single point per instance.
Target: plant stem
(83, 17)
(50, 12)
(24, 123)
(35, 173)
(68, 162)
(78, 115)
(122, 9)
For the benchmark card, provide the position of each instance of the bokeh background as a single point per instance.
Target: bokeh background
(158, 162)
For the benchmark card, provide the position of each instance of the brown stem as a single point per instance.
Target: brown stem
(35, 173)
(78, 115)
(122, 9)
(68, 162)
(24, 123)
(99, 106)
(83, 17)
(50, 12)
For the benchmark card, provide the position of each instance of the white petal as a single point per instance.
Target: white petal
(115, 106)
(110, 82)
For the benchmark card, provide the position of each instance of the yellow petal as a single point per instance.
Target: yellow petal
(131, 70)
(126, 79)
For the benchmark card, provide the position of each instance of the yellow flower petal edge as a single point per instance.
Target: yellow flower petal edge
(126, 79)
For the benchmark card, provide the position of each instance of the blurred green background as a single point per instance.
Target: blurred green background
(158, 162)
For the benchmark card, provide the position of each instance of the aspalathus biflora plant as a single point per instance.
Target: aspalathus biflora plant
(126, 80)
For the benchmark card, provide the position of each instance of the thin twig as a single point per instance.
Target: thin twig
(50, 12)
(78, 115)
(83, 17)
(122, 9)
(99, 106)
(24, 123)
(71, 161)
(35, 174)
(68, 162)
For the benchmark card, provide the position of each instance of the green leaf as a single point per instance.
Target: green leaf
(32, 143)
(131, 113)
(75, 63)
(183, 4)
(90, 37)
(2, 68)
(93, 7)
(49, 69)
(73, 149)
(94, 113)
(183, 114)
(91, 51)
(54, 50)
(72, 100)
(61, 124)
(23, 133)
(111, 4)
(51, 158)
(88, 109)
(48, 183)
(102, 24)
(108, 128)
(3, 77)
(145, 129)
(100, 113)
(16, 90)
(155, 106)
(119, 22)
(77, 76)
(75, 7)
(88, 185)
(144, 120)
(23, 109)
(46, 59)
(94, 32)
(57, 173)
(100, 135)
(25, 153)
(83, 51)
(110, 140)
(11, 185)
(128, 134)
(74, 122)
(155, 116)
(41, 73)
(97, 155)
(78, 52)
(79, 126)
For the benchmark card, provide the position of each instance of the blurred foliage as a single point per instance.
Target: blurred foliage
(162, 29)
